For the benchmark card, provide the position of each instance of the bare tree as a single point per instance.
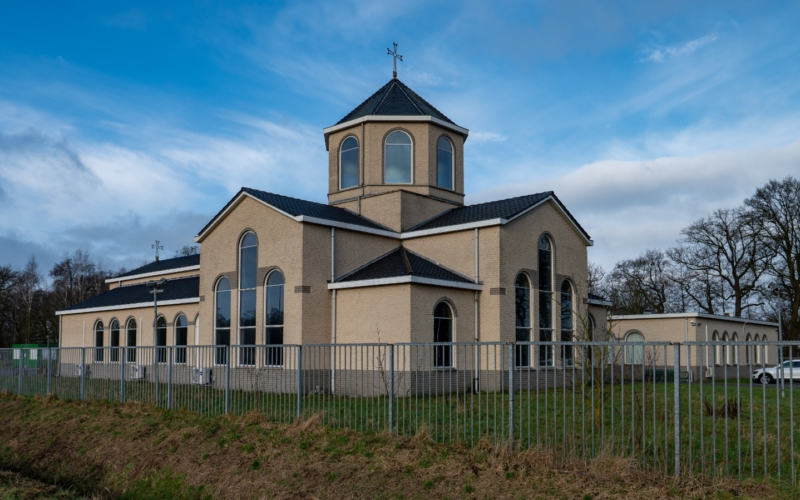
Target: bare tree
(776, 206)
(644, 283)
(722, 257)
(187, 250)
(77, 278)
(27, 284)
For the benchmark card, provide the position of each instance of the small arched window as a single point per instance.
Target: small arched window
(545, 301)
(522, 294)
(98, 341)
(445, 171)
(273, 318)
(748, 351)
(443, 333)
(248, 270)
(222, 321)
(634, 354)
(724, 359)
(716, 349)
(348, 163)
(757, 350)
(397, 158)
(567, 324)
(113, 341)
(131, 339)
(161, 339)
(181, 339)
(733, 356)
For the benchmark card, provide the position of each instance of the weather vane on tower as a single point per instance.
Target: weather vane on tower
(158, 247)
(396, 57)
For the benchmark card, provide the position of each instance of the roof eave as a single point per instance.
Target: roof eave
(400, 280)
(395, 118)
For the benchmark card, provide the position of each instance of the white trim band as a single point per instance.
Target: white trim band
(694, 315)
(405, 279)
(154, 273)
(395, 118)
(138, 305)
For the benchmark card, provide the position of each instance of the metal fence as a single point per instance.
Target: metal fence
(692, 408)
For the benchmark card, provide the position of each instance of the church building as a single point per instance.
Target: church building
(395, 256)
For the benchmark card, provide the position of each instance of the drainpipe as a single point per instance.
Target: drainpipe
(361, 150)
(84, 334)
(59, 330)
(333, 303)
(475, 378)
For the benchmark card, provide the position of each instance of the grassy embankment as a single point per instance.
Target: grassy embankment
(97, 449)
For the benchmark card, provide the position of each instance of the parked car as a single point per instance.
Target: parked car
(789, 370)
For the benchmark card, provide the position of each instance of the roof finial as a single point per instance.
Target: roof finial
(396, 57)
(158, 247)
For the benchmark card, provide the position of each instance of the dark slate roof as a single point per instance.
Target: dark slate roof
(164, 265)
(596, 297)
(500, 209)
(296, 207)
(401, 262)
(178, 288)
(395, 98)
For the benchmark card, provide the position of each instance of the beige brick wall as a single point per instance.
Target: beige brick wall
(400, 210)
(374, 314)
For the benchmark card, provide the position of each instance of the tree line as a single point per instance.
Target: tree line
(743, 261)
(29, 301)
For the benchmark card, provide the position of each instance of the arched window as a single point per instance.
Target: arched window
(273, 318)
(131, 339)
(443, 333)
(161, 339)
(445, 172)
(733, 357)
(567, 324)
(113, 341)
(248, 271)
(757, 350)
(222, 321)
(397, 158)
(724, 359)
(716, 349)
(98, 341)
(634, 354)
(348, 163)
(748, 351)
(181, 338)
(522, 294)
(545, 301)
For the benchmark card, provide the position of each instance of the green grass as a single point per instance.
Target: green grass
(633, 420)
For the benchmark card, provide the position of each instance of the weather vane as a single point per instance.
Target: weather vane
(396, 57)
(158, 247)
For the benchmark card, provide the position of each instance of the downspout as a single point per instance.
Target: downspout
(333, 306)
(707, 366)
(84, 334)
(60, 318)
(361, 150)
(475, 378)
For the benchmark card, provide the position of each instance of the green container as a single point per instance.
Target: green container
(32, 355)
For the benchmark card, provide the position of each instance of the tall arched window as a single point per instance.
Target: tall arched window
(748, 351)
(445, 177)
(522, 294)
(273, 318)
(567, 325)
(443, 333)
(545, 301)
(634, 354)
(161, 339)
(733, 356)
(222, 321)
(348, 163)
(181, 338)
(131, 339)
(113, 341)
(716, 349)
(98, 341)
(397, 158)
(248, 270)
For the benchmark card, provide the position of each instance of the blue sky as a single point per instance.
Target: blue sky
(122, 124)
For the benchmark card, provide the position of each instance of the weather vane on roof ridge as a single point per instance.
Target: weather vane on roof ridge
(158, 247)
(396, 57)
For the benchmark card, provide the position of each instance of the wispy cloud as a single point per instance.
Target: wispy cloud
(660, 54)
(487, 137)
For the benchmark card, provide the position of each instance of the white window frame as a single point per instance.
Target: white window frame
(412, 159)
(358, 172)
(282, 325)
(452, 163)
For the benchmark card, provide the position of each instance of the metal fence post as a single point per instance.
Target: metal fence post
(391, 387)
(227, 378)
(156, 361)
(21, 365)
(299, 381)
(676, 374)
(49, 370)
(83, 373)
(169, 379)
(511, 395)
(123, 354)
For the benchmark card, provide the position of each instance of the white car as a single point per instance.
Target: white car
(790, 370)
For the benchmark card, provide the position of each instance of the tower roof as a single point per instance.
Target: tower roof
(395, 99)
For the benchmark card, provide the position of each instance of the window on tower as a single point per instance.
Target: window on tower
(444, 163)
(348, 163)
(397, 158)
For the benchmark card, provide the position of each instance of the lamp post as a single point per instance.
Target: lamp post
(156, 287)
(777, 293)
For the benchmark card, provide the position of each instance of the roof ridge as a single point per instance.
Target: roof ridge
(509, 199)
(414, 94)
(440, 265)
(388, 88)
(359, 268)
(409, 97)
(406, 262)
(178, 278)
